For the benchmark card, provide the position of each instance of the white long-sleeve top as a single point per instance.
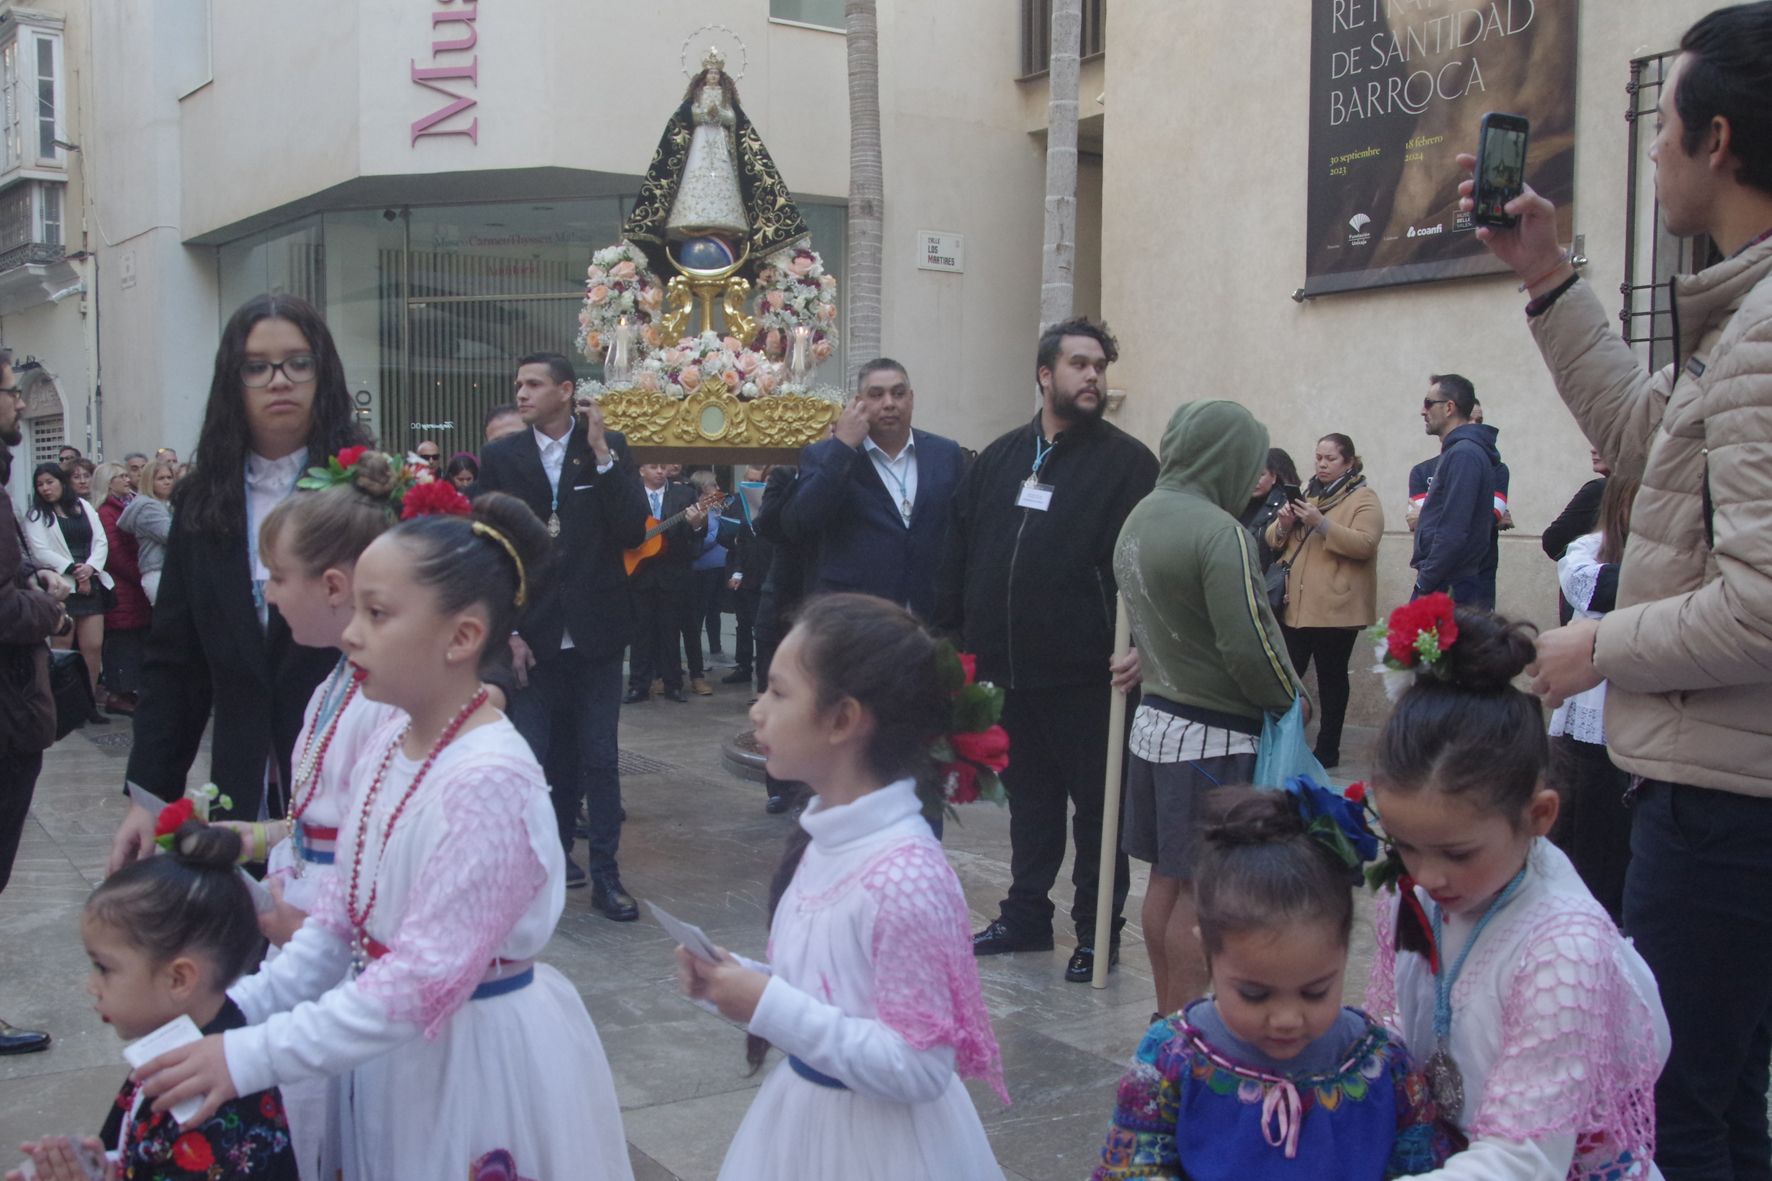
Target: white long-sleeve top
(50, 548)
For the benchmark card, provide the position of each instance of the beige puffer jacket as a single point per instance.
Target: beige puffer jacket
(1688, 652)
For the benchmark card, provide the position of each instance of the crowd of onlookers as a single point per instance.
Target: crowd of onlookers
(105, 526)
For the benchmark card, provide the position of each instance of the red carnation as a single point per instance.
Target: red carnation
(962, 783)
(173, 817)
(1431, 613)
(1356, 792)
(969, 664)
(191, 1152)
(439, 498)
(348, 458)
(988, 748)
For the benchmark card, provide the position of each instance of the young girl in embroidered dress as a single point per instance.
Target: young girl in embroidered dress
(1270, 1076)
(871, 988)
(1541, 1027)
(166, 936)
(414, 975)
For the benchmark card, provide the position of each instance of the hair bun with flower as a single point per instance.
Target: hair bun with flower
(1337, 821)
(974, 752)
(375, 475)
(1414, 642)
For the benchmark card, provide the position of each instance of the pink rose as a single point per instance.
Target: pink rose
(599, 294)
(767, 380)
(747, 363)
(652, 298)
(625, 269)
(651, 335)
(731, 344)
(671, 358)
(732, 378)
(821, 350)
(829, 282)
(690, 377)
(594, 274)
(772, 343)
(594, 342)
(776, 300)
(648, 381)
(801, 264)
(827, 312)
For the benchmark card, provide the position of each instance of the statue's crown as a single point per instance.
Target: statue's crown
(715, 60)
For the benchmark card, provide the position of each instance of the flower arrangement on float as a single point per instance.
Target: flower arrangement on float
(795, 291)
(619, 287)
(716, 362)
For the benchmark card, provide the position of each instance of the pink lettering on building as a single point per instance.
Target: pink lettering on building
(453, 33)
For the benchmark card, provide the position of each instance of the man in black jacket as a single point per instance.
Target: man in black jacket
(1456, 523)
(30, 612)
(566, 655)
(661, 587)
(1027, 584)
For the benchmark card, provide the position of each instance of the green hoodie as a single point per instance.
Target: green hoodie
(1188, 571)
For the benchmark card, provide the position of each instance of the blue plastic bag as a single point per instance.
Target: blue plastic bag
(1284, 753)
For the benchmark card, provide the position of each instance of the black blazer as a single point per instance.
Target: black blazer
(671, 568)
(586, 592)
(844, 513)
(206, 650)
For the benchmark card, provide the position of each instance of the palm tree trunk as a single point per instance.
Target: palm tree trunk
(867, 185)
(1058, 259)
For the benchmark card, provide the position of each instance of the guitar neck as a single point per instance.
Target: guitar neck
(671, 520)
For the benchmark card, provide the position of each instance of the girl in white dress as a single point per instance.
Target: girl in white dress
(1540, 1026)
(870, 988)
(458, 1055)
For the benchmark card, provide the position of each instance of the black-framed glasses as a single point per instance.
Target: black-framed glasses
(256, 375)
(13, 390)
(1430, 403)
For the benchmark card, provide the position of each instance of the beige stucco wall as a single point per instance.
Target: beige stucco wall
(1203, 244)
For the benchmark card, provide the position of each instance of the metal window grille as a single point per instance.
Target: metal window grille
(1652, 256)
(1036, 33)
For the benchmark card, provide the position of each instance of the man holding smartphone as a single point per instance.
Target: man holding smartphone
(1453, 528)
(1687, 654)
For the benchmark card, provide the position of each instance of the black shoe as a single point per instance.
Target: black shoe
(615, 903)
(677, 695)
(738, 676)
(999, 938)
(575, 875)
(98, 718)
(1081, 969)
(776, 805)
(14, 1040)
(634, 696)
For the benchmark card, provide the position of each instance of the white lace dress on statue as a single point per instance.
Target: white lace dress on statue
(708, 199)
(1557, 1029)
(311, 1105)
(873, 984)
(434, 1084)
(1583, 716)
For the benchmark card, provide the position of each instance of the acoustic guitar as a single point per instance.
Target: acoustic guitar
(654, 543)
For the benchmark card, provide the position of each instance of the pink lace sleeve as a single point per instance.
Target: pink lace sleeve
(1381, 983)
(1578, 1051)
(925, 978)
(474, 887)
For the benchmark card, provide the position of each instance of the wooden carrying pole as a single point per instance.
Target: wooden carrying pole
(1110, 805)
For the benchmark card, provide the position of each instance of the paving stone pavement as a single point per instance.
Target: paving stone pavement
(698, 843)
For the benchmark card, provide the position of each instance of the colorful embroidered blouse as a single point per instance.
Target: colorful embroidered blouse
(1187, 1111)
(246, 1137)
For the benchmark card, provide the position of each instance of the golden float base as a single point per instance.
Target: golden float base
(714, 426)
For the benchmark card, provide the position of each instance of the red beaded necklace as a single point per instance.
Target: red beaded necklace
(360, 920)
(312, 759)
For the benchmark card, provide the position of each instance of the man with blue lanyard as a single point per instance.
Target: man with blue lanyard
(1027, 585)
(871, 502)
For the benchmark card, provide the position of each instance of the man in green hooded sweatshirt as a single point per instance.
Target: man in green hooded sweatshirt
(1212, 663)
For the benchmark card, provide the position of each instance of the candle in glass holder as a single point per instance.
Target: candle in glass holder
(618, 364)
(800, 356)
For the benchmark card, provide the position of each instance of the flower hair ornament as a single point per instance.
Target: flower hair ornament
(439, 498)
(1413, 642)
(974, 752)
(193, 805)
(344, 467)
(1335, 821)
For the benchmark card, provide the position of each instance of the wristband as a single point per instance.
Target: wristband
(260, 843)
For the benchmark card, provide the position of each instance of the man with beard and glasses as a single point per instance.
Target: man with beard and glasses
(1027, 586)
(30, 612)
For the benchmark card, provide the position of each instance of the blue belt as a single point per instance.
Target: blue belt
(316, 856)
(523, 979)
(812, 1075)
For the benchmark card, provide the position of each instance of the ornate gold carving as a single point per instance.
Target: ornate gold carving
(738, 324)
(656, 420)
(679, 306)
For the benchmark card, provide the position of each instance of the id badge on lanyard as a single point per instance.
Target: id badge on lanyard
(1031, 493)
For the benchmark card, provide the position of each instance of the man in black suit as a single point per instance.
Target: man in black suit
(871, 502)
(661, 588)
(566, 655)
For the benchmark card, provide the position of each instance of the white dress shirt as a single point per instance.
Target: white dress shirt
(898, 474)
(268, 482)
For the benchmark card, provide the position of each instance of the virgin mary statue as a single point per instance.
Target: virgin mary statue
(711, 177)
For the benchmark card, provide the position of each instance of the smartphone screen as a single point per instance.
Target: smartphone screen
(1501, 168)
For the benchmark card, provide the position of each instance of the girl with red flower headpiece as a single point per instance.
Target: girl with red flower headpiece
(166, 937)
(1540, 1027)
(871, 988)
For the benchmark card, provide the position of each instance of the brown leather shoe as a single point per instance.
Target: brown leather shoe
(700, 687)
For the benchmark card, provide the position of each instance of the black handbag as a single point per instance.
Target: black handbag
(72, 689)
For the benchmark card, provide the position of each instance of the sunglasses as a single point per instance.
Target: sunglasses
(1430, 403)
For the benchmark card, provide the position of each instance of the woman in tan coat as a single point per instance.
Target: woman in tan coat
(1329, 538)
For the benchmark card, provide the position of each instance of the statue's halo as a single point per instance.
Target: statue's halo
(718, 44)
